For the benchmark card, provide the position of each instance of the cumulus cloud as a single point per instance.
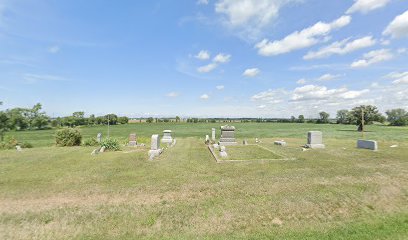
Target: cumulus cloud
(222, 58)
(341, 48)
(271, 96)
(54, 49)
(172, 94)
(365, 6)
(373, 57)
(249, 17)
(305, 38)
(203, 55)
(398, 27)
(204, 97)
(329, 77)
(251, 72)
(301, 81)
(207, 68)
(314, 92)
(220, 87)
(399, 77)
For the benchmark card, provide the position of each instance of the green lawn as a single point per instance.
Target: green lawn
(250, 152)
(339, 192)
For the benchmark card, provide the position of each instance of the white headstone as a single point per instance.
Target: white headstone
(102, 149)
(315, 139)
(213, 134)
(167, 137)
(155, 143)
(18, 148)
(280, 143)
(99, 137)
(207, 139)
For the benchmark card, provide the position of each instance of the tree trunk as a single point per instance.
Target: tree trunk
(360, 127)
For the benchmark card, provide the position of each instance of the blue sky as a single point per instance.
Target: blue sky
(215, 58)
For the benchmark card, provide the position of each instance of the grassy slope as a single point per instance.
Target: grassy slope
(336, 193)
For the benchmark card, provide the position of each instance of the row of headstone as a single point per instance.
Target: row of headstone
(155, 149)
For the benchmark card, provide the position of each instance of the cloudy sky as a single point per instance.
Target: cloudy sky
(207, 58)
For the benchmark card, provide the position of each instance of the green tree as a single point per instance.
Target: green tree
(37, 119)
(92, 119)
(123, 120)
(397, 117)
(79, 118)
(292, 119)
(18, 121)
(323, 117)
(343, 116)
(177, 119)
(370, 114)
(4, 124)
(149, 120)
(301, 119)
(112, 118)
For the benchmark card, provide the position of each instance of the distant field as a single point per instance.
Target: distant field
(244, 130)
(339, 192)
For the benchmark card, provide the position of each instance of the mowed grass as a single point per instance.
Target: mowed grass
(250, 152)
(335, 193)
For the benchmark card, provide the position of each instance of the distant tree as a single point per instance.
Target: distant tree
(37, 119)
(292, 119)
(149, 120)
(123, 120)
(79, 118)
(323, 117)
(111, 118)
(177, 119)
(370, 114)
(4, 124)
(343, 116)
(301, 119)
(92, 119)
(18, 121)
(397, 117)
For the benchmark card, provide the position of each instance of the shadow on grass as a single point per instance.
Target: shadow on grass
(350, 130)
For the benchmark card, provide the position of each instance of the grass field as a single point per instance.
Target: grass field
(339, 192)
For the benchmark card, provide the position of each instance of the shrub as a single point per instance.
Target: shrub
(9, 143)
(25, 145)
(68, 137)
(91, 142)
(111, 144)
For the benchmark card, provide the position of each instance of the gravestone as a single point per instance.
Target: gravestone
(227, 135)
(154, 147)
(280, 143)
(223, 153)
(207, 139)
(315, 139)
(213, 134)
(102, 149)
(99, 137)
(367, 144)
(132, 140)
(155, 143)
(18, 148)
(245, 142)
(167, 137)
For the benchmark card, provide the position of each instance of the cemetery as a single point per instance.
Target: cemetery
(272, 174)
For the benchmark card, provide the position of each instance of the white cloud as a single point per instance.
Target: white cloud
(365, 6)
(33, 78)
(202, 2)
(305, 38)
(328, 77)
(271, 96)
(54, 49)
(399, 78)
(172, 94)
(372, 57)
(301, 81)
(220, 87)
(341, 48)
(222, 58)
(203, 55)
(207, 68)
(249, 17)
(313, 92)
(261, 106)
(204, 96)
(251, 72)
(398, 27)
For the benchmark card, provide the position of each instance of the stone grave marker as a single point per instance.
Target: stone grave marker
(367, 144)
(227, 135)
(132, 140)
(99, 137)
(315, 139)
(167, 138)
(213, 134)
